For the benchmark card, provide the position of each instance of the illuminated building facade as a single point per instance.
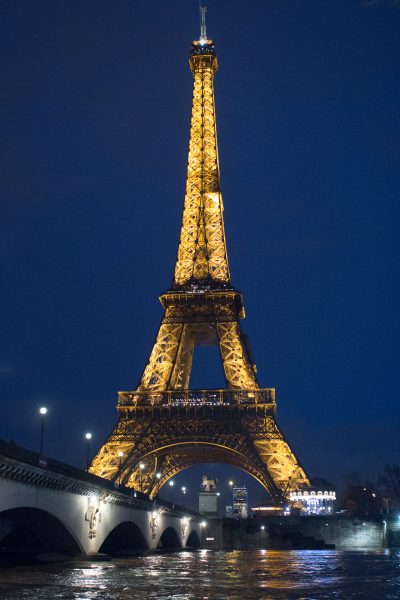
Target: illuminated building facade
(163, 424)
(313, 502)
(240, 502)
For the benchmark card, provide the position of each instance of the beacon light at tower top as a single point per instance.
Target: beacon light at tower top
(203, 30)
(163, 424)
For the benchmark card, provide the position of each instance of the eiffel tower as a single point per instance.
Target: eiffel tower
(163, 426)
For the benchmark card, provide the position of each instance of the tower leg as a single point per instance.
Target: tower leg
(238, 370)
(157, 372)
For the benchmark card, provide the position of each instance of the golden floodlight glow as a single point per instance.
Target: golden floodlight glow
(162, 422)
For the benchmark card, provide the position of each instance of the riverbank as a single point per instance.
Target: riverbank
(339, 532)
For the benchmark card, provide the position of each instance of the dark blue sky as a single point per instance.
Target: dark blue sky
(95, 108)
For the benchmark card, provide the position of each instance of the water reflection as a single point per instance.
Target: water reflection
(206, 575)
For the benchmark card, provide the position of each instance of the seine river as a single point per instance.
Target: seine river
(206, 575)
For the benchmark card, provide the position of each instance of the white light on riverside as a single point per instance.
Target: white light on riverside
(171, 483)
(88, 436)
(184, 489)
(231, 483)
(262, 527)
(203, 524)
(42, 412)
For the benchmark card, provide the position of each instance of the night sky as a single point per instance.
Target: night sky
(95, 111)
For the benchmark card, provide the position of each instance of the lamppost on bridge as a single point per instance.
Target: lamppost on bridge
(42, 412)
(183, 488)
(172, 483)
(141, 469)
(120, 455)
(88, 437)
(158, 478)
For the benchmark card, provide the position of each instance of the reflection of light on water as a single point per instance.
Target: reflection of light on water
(91, 571)
(208, 575)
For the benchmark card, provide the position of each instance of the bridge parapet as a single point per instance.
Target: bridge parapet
(88, 507)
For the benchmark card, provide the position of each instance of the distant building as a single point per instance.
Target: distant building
(264, 510)
(240, 503)
(228, 512)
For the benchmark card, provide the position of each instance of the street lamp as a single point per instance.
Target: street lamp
(141, 467)
(42, 412)
(120, 455)
(183, 488)
(231, 483)
(88, 437)
(172, 483)
(365, 501)
(157, 488)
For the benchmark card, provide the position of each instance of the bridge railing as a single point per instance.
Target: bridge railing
(221, 397)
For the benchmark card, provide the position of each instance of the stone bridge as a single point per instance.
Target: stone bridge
(49, 507)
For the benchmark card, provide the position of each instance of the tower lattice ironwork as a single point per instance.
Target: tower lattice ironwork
(163, 426)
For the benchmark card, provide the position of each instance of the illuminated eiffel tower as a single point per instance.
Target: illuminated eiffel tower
(163, 426)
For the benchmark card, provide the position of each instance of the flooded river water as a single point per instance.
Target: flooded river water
(206, 575)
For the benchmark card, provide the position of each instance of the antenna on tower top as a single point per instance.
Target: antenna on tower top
(203, 28)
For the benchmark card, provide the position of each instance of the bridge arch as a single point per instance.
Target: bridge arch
(37, 531)
(169, 539)
(125, 539)
(193, 540)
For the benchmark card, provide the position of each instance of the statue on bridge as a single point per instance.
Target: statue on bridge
(208, 485)
(93, 515)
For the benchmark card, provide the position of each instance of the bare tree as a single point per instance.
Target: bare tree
(389, 482)
(395, 3)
